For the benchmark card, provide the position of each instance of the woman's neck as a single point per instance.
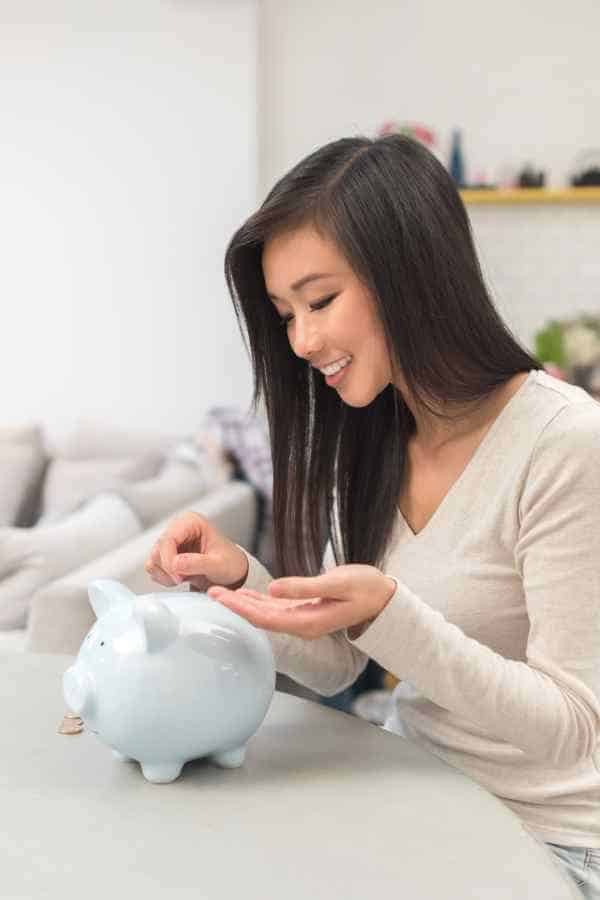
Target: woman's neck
(433, 433)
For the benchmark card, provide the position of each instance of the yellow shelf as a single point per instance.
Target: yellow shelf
(518, 196)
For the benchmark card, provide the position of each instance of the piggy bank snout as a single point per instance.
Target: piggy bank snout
(78, 691)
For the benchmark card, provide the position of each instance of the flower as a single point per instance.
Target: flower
(571, 350)
(582, 345)
(570, 343)
(412, 129)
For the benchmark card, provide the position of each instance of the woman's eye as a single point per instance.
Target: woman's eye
(320, 304)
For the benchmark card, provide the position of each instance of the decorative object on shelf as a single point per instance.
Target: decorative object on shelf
(456, 165)
(411, 129)
(571, 349)
(528, 177)
(481, 182)
(587, 166)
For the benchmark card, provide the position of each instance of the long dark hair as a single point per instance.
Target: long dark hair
(395, 214)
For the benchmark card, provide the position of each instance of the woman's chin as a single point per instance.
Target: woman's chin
(359, 399)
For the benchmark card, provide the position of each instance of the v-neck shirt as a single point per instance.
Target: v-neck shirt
(494, 629)
(472, 460)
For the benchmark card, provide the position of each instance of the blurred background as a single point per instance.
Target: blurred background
(136, 135)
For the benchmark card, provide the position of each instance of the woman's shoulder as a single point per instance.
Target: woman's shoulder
(562, 465)
(561, 393)
(570, 417)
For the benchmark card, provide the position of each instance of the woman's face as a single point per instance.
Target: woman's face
(329, 315)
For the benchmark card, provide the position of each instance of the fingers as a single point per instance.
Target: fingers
(187, 564)
(157, 569)
(307, 588)
(279, 601)
(306, 620)
(167, 551)
(156, 572)
(185, 530)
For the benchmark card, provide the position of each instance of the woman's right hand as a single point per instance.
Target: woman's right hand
(191, 549)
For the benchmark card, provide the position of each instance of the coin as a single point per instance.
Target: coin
(67, 727)
(72, 715)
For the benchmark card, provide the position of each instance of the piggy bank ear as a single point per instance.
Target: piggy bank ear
(105, 593)
(158, 624)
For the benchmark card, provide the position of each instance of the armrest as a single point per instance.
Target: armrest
(60, 614)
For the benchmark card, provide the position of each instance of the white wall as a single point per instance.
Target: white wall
(128, 156)
(541, 262)
(522, 80)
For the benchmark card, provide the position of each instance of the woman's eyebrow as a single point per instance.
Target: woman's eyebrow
(306, 279)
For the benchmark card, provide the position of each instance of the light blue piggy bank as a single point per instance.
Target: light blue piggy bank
(169, 677)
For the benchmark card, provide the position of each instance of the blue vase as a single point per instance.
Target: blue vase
(457, 163)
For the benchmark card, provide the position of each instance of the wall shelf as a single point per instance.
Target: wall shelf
(531, 196)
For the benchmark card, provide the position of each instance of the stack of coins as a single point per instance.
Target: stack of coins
(71, 724)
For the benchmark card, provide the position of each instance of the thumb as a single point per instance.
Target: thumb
(191, 564)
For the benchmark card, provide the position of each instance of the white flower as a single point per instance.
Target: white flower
(582, 345)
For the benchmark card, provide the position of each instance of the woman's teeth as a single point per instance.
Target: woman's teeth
(337, 366)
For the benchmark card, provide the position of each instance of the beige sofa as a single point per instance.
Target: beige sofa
(60, 613)
(91, 505)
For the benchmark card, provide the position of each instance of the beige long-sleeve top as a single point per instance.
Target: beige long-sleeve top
(494, 629)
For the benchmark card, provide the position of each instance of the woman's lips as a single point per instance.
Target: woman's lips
(333, 380)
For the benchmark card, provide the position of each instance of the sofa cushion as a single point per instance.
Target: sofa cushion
(20, 434)
(176, 484)
(22, 463)
(100, 440)
(70, 482)
(31, 557)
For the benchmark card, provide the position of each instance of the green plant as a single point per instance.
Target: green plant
(549, 346)
(570, 343)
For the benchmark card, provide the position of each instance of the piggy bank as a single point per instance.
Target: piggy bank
(169, 677)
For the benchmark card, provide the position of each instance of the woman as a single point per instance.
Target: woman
(455, 483)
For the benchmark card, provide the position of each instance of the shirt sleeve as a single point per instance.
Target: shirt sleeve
(549, 704)
(327, 665)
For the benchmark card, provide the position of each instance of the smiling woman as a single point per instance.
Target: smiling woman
(451, 485)
(331, 332)
(378, 230)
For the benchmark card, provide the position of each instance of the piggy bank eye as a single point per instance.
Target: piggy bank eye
(102, 643)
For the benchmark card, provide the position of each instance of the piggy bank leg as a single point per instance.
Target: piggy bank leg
(121, 756)
(230, 759)
(161, 773)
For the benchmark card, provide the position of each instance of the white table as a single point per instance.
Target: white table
(325, 806)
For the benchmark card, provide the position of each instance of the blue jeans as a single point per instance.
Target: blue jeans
(582, 865)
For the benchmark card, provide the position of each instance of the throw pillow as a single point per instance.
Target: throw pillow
(20, 434)
(22, 463)
(31, 557)
(70, 482)
(175, 485)
(98, 440)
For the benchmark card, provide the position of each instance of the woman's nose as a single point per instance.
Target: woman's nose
(306, 340)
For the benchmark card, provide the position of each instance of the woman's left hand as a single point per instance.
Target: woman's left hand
(349, 596)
